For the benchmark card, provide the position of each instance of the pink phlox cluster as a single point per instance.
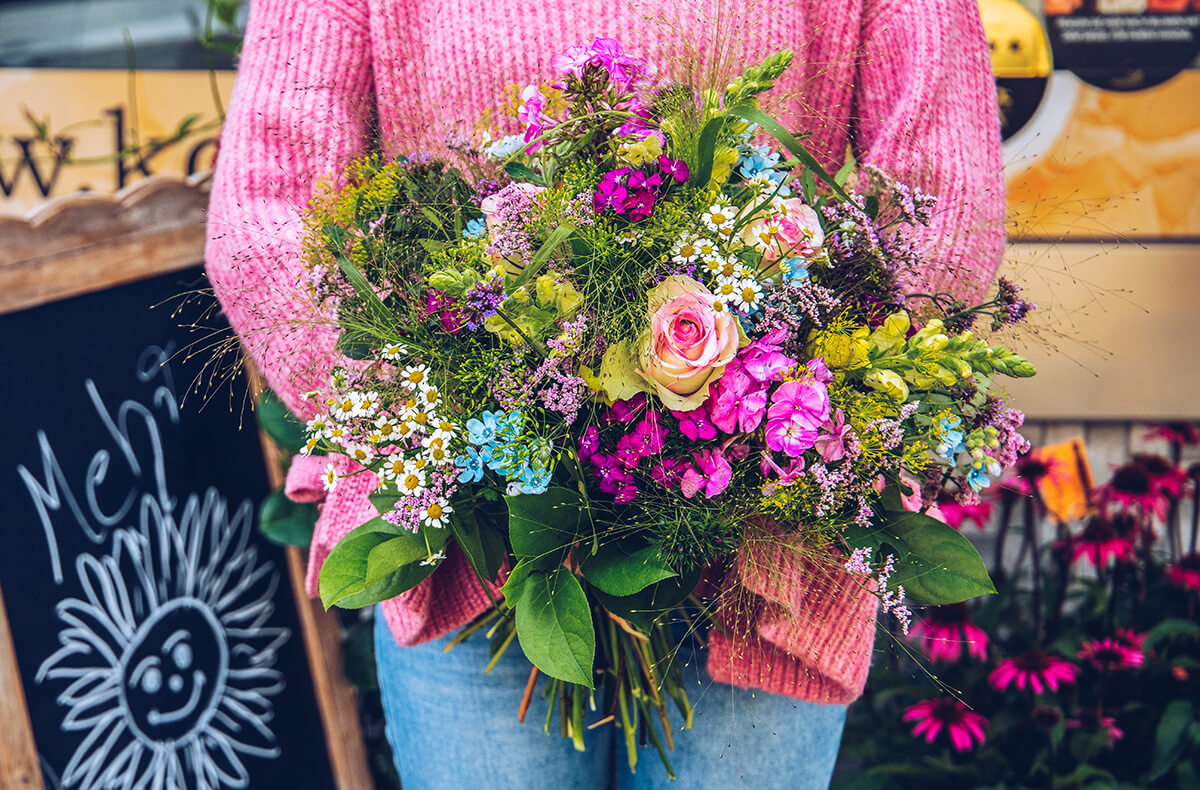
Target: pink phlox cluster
(532, 113)
(626, 72)
(784, 476)
(615, 465)
(440, 486)
(797, 411)
(831, 443)
(738, 400)
(709, 472)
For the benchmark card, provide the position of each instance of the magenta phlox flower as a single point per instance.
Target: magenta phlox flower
(668, 472)
(675, 169)
(736, 402)
(1034, 669)
(768, 467)
(611, 192)
(628, 451)
(831, 443)
(963, 727)
(710, 472)
(650, 434)
(440, 304)
(614, 478)
(625, 411)
(639, 205)
(589, 442)
(798, 409)
(695, 424)
(639, 180)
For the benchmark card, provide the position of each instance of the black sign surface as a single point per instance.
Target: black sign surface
(155, 629)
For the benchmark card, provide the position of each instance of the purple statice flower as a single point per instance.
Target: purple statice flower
(709, 472)
(559, 388)
(859, 563)
(1011, 308)
(510, 215)
(481, 301)
(695, 424)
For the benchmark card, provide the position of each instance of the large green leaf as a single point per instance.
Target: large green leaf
(392, 555)
(286, 522)
(542, 526)
(483, 544)
(344, 571)
(285, 429)
(643, 608)
(620, 570)
(554, 626)
(1170, 739)
(388, 587)
(934, 563)
(706, 151)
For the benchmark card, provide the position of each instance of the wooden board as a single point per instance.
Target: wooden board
(73, 260)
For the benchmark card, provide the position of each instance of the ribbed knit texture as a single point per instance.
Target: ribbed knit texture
(907, 83)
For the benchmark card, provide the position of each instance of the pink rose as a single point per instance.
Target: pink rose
(689, 343)
(793, 230)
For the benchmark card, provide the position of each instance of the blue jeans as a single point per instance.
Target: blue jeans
(451, 726)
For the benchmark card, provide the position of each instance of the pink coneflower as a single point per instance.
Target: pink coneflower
(1164, 475)
(964, 727)
(946, 631)
(1109, 654)
(1103, 538)
(955, 513)
(1185, 574)
(1035, 669)
(1133, 490)
(1174, 432)
(1090, 718)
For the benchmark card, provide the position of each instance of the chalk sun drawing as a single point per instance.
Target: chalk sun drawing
(167, 656)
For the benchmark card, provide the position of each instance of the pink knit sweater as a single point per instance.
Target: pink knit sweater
(907, 83)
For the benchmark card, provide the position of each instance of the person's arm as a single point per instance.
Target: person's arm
(926, 112)
(299, 114)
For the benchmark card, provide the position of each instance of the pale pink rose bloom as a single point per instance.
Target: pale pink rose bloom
(689, 343)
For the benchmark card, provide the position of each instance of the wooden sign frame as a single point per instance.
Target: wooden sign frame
(86, 242)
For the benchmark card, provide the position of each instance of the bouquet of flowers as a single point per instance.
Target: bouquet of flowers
(602, 354)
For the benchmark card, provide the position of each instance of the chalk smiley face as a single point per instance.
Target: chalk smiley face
(175, 668)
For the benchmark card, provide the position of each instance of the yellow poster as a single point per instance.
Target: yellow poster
(100, 130)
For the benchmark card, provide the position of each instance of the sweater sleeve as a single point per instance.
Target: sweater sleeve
(926, 112)
(299, 114)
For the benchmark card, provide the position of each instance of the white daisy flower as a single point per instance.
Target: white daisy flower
(685, 250)
(430, 398)
(411, 480)
(385, 428)
(393, 352)
(318, 425)
(749, 294)
(727, 290)
(368, 403)
(707, 249)
(381, 482)
(360, 453)
(417, 376)
(394, 467)
(346, 407)
(310, 445)
(330, 477)
(436, 450)
(337, 434)
(444, 429)
(437, 514)
(719, 218)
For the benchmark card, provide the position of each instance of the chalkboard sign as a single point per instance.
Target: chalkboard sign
(155, 628)
(150, 636)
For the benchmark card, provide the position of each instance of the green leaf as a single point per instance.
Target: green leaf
(335, 243)
(619, 570)
(389, 587)
(645, 607)
(1170, 628)
(483, 545)
(808, 187)
(1170, 739)
(776, 130)
(706, 151)
(286, 522)
(392, 555)
(552, 242)
(284, 428)
(934, 563)
(384, 501)
(514, 585)
(542, 526)
(522, 172)
(842, 175)
(554, 626)
(345, 569)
